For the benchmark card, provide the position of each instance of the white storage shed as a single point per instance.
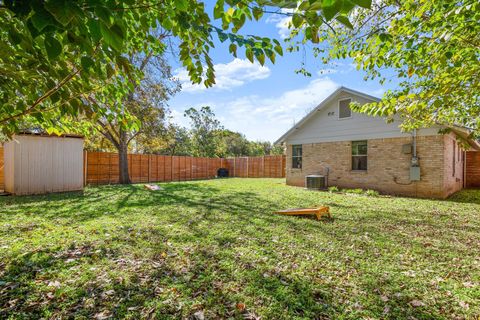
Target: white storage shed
(38, 163)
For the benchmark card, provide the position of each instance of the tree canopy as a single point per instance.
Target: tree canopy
(432, 47)
(54, 52)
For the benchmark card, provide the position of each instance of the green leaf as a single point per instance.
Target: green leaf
(344, 20)
(278, 49)
(94, 28)
(363, 3)
(62, 10)
(181, 5)
(257, 13)
(222, 36)
(104, 14)
(249, 54)
(87, 63)
(233, 49)
(113, 36)
(40, 21)
(52, 46)
(297, 20)
(261, 58)
(110, 71)
(331, 8)
(218, 9)
(15, 36)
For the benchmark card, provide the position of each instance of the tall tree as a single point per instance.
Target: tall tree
(432, 47)
(55, 51)
(146, 101)
(204, 128)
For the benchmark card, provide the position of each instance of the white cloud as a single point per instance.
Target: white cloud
(267, 118)
(227, 75)
(282, 22)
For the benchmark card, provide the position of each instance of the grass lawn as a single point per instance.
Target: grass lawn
(213, 249)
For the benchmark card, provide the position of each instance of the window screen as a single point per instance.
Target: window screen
(359, 155)
(344, 110)
(297, 156)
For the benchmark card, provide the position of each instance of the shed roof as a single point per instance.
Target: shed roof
(43, 134)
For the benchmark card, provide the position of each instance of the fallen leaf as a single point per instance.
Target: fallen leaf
(240, 306)
(386, 310)
(417, 303)
(384, 298)
(199, 315)
(102, 315)
(55, 284)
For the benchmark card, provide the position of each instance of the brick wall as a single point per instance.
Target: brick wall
(388, 168)
(472, 169)
(453, 157)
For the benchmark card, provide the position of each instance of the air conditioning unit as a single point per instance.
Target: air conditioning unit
(315, 182)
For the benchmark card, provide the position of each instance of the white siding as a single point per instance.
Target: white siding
(42, 164)
(325, 126)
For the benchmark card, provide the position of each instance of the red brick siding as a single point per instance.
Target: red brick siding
(472, 169)
(388, 168)
(452, 179)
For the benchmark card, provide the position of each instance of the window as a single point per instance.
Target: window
(359, 155)
(344, 110)
(297, 156)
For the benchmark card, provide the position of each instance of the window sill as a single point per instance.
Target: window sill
(359, 171)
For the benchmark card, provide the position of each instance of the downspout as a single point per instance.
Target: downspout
(414, 158)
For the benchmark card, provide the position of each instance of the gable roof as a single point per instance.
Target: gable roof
(324, 103)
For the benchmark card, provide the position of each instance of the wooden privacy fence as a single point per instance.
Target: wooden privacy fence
(102, 167)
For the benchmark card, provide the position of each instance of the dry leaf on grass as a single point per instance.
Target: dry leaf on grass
(199, 315)
(240, 306)
(417, 303)
(102, 315)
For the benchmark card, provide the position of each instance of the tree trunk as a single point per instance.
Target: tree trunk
(123, 158)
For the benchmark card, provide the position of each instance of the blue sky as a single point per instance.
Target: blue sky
(264, 102)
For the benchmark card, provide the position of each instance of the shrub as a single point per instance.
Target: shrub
(355, 191)
(372, 193)
(333, 189)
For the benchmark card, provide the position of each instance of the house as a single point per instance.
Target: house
(354, 150)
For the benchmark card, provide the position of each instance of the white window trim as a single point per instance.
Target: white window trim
(358, 155)
(338, 109)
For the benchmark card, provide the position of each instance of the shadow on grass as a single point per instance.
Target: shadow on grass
(466, 196)
(164, 286)
(159, 288)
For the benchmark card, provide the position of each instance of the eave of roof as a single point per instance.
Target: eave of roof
(465, 134)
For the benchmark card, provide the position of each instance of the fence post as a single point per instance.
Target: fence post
(208, 171)
(248, 158)
(149, 167)
(85, 164)
(263, 166)
(109, 166)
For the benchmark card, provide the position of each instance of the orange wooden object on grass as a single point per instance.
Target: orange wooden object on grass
(318, 212)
